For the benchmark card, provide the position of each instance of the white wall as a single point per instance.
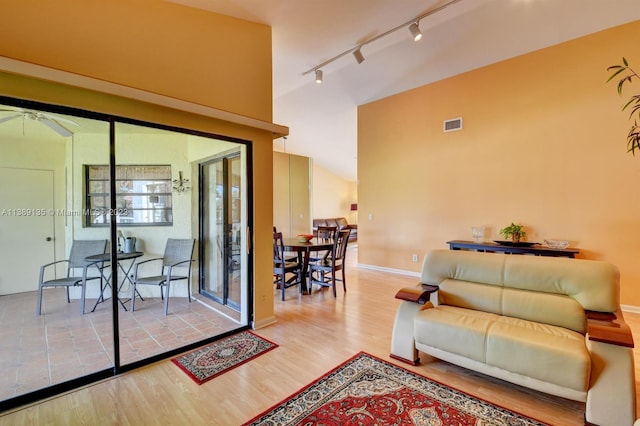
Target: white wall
(29, 150)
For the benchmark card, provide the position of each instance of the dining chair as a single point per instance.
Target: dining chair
(325, 234)
(323, 271)
(282, 266)
(289, 257)
(80, 250)
(178, 255)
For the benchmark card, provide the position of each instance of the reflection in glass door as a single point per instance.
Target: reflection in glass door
(222, 217)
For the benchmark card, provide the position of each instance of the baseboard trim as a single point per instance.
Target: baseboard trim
(390, 270)
(264, 323)
(630, 308)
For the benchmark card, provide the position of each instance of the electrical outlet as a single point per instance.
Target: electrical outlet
(414, 257)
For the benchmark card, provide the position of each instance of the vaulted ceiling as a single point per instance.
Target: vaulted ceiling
(463, 36)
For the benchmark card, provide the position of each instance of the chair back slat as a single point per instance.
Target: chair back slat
(177, 250)
(278, 248)
(327, 233)
(341, 244)
(80, 249)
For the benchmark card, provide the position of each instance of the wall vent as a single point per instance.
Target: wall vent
(452, 125)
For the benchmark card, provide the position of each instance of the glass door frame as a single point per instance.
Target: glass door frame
(226, 245)
(117, 368)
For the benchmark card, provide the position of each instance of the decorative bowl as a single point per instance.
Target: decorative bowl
(557, 244)
(304, 238)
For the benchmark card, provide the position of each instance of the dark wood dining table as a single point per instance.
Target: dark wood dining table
(304, 249)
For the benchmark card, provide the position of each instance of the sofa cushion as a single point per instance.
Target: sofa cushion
(341, 222)
(546, 308)
(544, 352)
(466, 294)
(593, 284)
(456, 330)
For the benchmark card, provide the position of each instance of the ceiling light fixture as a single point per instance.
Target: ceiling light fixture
(413, 28)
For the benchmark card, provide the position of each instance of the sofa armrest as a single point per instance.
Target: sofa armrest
(417, 294)
(609, 328)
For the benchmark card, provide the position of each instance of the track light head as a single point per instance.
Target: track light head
(318, 76)
(414, 29)
(358, 55)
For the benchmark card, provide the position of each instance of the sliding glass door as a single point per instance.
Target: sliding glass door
(74, 179)
(223, 219)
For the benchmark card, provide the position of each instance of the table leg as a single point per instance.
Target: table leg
(107, 281)
(102, 289)
(303, 258)
(127, 278)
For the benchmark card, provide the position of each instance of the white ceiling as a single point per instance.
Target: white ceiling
(466, 35)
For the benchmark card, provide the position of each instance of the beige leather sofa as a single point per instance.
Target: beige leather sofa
(550, 324)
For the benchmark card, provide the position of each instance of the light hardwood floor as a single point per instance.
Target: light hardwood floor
(315, 333)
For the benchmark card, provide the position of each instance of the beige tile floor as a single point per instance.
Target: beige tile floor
(39, 351)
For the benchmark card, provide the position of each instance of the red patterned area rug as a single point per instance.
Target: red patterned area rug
(366, 390)
(206, 363)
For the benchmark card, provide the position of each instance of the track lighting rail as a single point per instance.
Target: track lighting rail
(412, 24)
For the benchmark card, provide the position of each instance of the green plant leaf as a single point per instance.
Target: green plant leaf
(633, 139)
(633, 104)
(615, 73)
(627, 104)
(635, 109)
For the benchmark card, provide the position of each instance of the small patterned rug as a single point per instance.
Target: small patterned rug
(366, 390)
(206, 363)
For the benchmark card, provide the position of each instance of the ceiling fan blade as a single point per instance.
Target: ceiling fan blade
(56, 118)
(20, 110)
(11, 117)
(57, 127)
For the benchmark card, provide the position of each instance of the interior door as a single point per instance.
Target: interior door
(222, 213)
(26, 227)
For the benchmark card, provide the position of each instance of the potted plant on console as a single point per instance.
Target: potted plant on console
(513, 232)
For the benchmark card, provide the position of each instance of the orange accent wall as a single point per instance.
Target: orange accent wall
(161, 47)
(543, 144)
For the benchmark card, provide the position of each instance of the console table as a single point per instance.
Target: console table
(491, 247)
